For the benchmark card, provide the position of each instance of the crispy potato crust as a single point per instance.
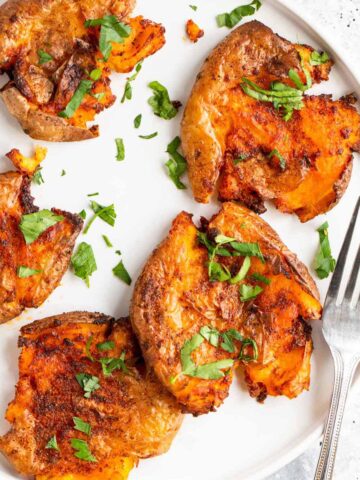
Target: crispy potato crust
(193, 31)
(50, 253)
(36, 94)
(131, 415)
(227, 136)
(27, 165)
(174, 298)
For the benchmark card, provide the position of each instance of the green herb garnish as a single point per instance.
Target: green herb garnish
(83, 262)
(82, 426)
(245, 267)
(26, 272)
(235, 16)
(260, 278)
(111, 30)
(110, 364)
(317, 58)
(160, 102)
(193, 7)
(82, 214)
(128, 88)
(120, 147)
(92, 194)
(105, 346)
(37, 177)
(121, 272)
(83, 89)
(107, 214)
(44, 57)
(82, 450)
(282, 161)
(148, 137)
(248, 292)
(137, 121)
(63, 173)
(89, 383)
(176, 165)
(52, 443)
(324, 261)
(95, 74)
(241, 158)
(107, 241)
(33, 225)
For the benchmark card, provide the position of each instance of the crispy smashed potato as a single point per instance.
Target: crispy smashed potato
(193, 31)
(128, 415)
(27, 165)
(49, 255)
(38, 91)
(174, 299)
(246, 146)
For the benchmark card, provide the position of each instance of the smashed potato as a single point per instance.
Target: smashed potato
(236, 136)
(186, 321)
(76, 415)
(50, 55)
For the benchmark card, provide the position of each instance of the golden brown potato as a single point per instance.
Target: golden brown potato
(38, 91)
(49, 255)
(193, 31)
(130, 414)
(235, 140)
(174, 300)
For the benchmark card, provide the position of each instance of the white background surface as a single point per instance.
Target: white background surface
(243, 437)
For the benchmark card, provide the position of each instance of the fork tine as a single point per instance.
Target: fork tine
(353, 278)
(339, 270)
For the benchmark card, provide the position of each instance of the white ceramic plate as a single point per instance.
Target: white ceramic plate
(243, 440)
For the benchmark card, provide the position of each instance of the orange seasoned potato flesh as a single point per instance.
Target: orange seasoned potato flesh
(246, 148)
(49, 254)
(175, 299)
(128, 415)
(47, 50)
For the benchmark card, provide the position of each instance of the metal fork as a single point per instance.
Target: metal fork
(341, 328)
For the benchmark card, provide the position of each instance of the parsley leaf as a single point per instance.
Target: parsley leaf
(261, 278)
(128, 88)
(107, 214)
(63, 173)
(148, 137)
(44, 57)
(324, 261)
(241, 158)
(246, 343)
(82, 214)
(282, 161)
(93, 194)
(121, 272)
(211, 335)
(110, 364)
(105, 346)
(82, 426)
(317, 58)
(176, 165)
(120, 147)
(235, 16)
(107, 241)
(89, 383)
(52, 443)
(137, 121)
(248, 292)
(82, 450)
(33, 225)
(111, 30)
(242, 272)
(193, 7)
(25, 272)
(83, 89)
(218, 272)
(161, 103)
(83, 262)
(37, 177)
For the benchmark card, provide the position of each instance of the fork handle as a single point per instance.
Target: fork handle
(344, 371)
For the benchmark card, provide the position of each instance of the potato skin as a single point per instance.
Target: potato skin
(221, 123)
(50, 253)
(174, 298)
(132, 416)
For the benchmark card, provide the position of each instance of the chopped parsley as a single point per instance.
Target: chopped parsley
(282, 161)
(111, 30)
(324, 261)
(235, 16)
(245, 267)
(63, 173)
(107, 214)
(83, 89)
(176, 165)
(82, 450)
(44, 57)
(240, 158)
(248, 292)
(93, 194)
(105, 346)
(83, 262)
(107, 241)
(52, 443)
(137, 121)
(193, 7)
(120, 147)
(148, 137)
(121, 272)
(260, 278)
(160, 102)
(95, 74)
(82, 214)
(109, 365)
(89, 383)
(82, 426)
(33, 225)
(128, 87)
(26, 272)
(317, 58)
(37, 177)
